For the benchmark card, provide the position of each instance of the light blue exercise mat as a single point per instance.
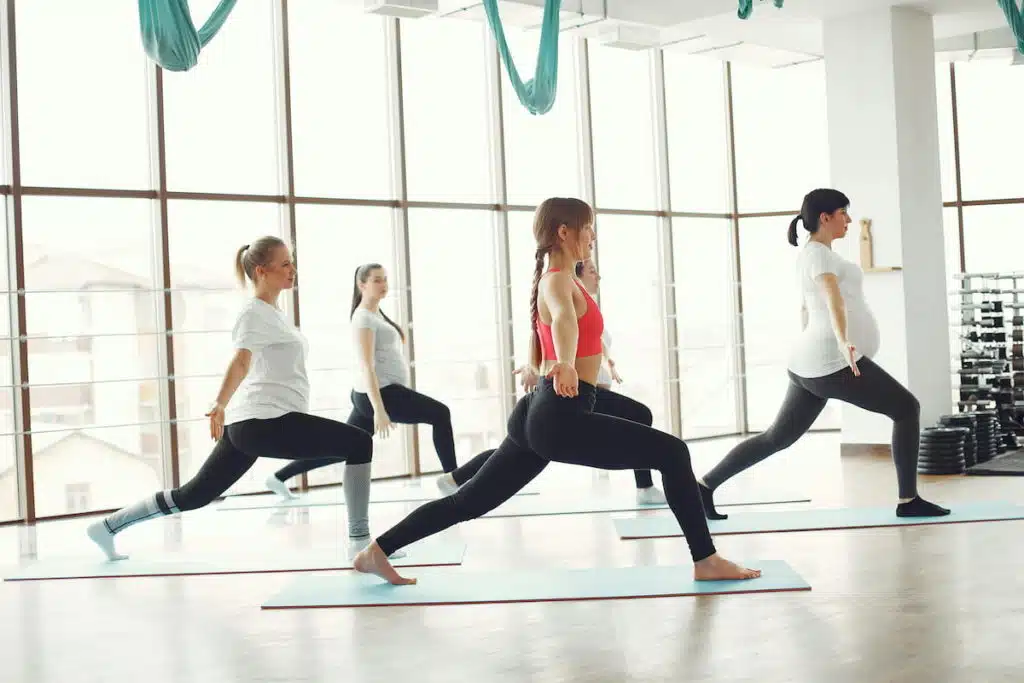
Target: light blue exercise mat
(431, 553)
(335, 496)
(558, 503)
(438, 586)
(748, 522)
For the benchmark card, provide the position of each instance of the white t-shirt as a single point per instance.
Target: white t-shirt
(388, 362)
(277, 383)
(603, 376)
(816, 352)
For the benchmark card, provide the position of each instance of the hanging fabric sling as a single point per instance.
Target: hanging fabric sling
(537, 94)
(1015, 17)
(169, 36)
(747, 6)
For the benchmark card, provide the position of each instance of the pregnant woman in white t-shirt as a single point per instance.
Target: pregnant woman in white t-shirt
(261, 410)
(832, 359)
(607, 402)
(381, 395)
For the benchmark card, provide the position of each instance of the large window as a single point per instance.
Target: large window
(781, 129)
(446, 124)
(455, 323)
(332, 241)
(542, 156)
(771, 319)
(698, 144)
(993, 240)
(631, 296)
(622, 113)
(705, 320)
(91, 298)
(83, 95)
(989, 154)
(339, 86)
(221, 117)
(204, 237)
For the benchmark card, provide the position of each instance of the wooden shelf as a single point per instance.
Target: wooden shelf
(883, 269)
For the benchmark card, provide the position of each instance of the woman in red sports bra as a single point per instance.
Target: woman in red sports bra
(557, 422)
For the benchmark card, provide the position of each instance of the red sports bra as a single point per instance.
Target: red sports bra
(591, 325)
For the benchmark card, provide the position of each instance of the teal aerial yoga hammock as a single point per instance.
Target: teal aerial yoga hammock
(1014, 15)
(747, 6)
(169, 36)
(537, 94)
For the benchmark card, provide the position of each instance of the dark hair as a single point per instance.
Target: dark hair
(817, 202)
(259, 253)
(361, 276)
(551, 215)
(579, 268)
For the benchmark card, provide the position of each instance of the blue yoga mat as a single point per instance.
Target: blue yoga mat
(334, 496)
(662, 526)
(558, 503)
(445, 587)
(431, 553)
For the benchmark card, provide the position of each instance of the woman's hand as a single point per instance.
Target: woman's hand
(614, 373)
(565, 380)
(216, 415)
(382, 423)
(529, 377)
(849, 352)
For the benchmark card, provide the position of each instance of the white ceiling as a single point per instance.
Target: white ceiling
(773, 37)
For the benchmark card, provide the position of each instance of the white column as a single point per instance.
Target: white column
(884, 149)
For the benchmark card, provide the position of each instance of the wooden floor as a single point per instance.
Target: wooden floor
(923, 604)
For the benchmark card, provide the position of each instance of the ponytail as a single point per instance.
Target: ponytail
(538, 270)
(792, 229)
(240, 265)
(357, 296)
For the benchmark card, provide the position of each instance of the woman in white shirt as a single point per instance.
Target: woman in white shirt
(381, 395)
(261, 411)
(607, 402)
(832, 359)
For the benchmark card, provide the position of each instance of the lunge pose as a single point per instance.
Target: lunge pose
(381, 395)
(261, 410)
(557, 422)
(607, 402)
(832, 359)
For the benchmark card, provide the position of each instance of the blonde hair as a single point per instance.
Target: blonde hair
(258, 253)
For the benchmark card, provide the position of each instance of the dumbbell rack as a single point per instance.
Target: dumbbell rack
(988, 328)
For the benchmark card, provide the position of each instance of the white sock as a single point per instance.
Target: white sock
(102, 537)
(651, 495)
(279, 487)
(446, 482)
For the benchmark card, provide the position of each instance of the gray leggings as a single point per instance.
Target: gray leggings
(875, 390)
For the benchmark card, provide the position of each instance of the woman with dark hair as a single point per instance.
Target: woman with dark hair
(261, 410)
(381, 395)
(832, 359)
(557, 422)
(607, 402)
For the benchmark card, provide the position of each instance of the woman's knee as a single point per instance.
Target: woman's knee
(191, 497)
(909, 408)
(644, 415)
(362, 448)
(440, 414)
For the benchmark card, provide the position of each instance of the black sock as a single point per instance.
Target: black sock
(707, 499)
(919, 507)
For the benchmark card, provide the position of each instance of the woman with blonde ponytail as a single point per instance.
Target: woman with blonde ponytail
(557, 422)
(261, 410)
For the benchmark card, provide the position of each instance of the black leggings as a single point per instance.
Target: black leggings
(404, 406)
(545, 427)
(293, 435)
(875, 390)
(607, 403)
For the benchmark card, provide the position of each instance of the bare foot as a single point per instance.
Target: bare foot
(371, 560)
(717, 568)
